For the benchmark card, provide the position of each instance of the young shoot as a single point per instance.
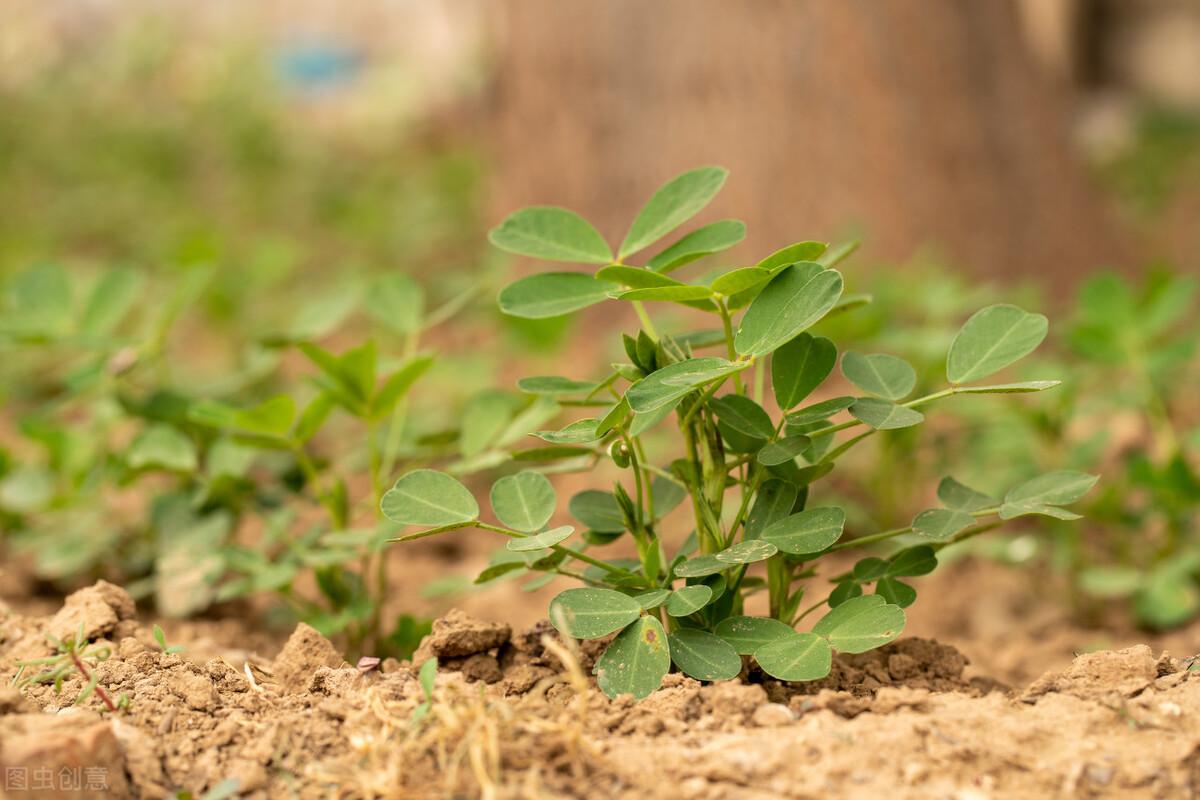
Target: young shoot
(748, 463)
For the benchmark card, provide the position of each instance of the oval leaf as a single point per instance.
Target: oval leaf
(795, 299)
(653, 598)
(674, 203)
(799, 657)
(809, 531)
(541, 541)
(552, 294)
(667, 386)
(940, 524)
(884, 415)
(879, 374)
(799, 367)
(552, 234)
(700, 567)
(636, 661)
(598, 510)
(992, 339)
(688, 600)
(704, 241)
(960, 497)
(819, 411)
(702, 656)
(748, 634)
(743, 415)
(591, 613)
(747, 552)
(860, 627)
(431, 498)
(784, 450)
(524, 502)
(553, 385)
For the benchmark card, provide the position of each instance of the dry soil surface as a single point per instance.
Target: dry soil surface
(515, 715)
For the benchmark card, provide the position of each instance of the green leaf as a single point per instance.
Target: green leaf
(162, 447)
(992, 339)
(591, 613)
(551, 234)
(598, 510)
(578, 432)
(884, 415)
(960, 497)
(524, 502)
(1110, 581)
(397, 385)
(1040, 495)
(427, 676)
(615, 416)
(739, 280)
(398, 302)
(674, 294)
(700, 567)
(667, 386)
(636, 277)
(552, 294)
(799, 657)
(940, 524)
(1168, 598)
(688, 600)
(809, 531)
(775, 500)
(819, 411)
(784, 450)
(745, 552)
(541, 541)
(636, 661)
(704, 241)
(793, 253)
(857, 625)
(429, 498)
(111, 299)
(484, 416)
(795, 299)
(898, 593)
(799, 367)
(743, 415)
(677, 201)
(702, 656)
(912, 562)
(748, 634)
(653, 598)
(553, 385)
(1024, 387)
(668, 495)
(271, 418)
(879, 374)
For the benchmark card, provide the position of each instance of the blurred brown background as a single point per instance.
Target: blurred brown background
(979, 130)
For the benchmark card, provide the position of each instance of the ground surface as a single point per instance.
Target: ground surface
(508, 720)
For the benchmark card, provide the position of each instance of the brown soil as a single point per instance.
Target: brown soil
(515, 715)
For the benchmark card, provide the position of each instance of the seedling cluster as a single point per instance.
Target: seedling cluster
(747, 462)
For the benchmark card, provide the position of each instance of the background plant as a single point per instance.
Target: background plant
(746, 474)
(130, 465)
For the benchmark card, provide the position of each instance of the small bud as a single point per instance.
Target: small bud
(619, 453)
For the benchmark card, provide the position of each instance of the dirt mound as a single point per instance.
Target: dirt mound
(510, 720)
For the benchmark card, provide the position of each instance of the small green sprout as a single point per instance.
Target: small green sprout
(426, 675)
(161, 638)
(73, 654)
(746, 464)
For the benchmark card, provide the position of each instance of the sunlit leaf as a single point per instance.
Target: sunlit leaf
(636, 661)
(992, 339)
(884, 415)
(590, 613)
(673, 204)
(799, 657)
(703, 656)
(551, 234)
(429, 498)
(808, 531)
(799, 367)
(748, 634)
(795, 299)
(879, 374)
(552, 294)
(524, 502)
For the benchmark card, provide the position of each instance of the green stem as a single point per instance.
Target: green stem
(644, 318)
(731, 351)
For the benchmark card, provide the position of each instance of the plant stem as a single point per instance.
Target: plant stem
(644, 318)
(731, 351)
(87, 677)
(575, 554)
